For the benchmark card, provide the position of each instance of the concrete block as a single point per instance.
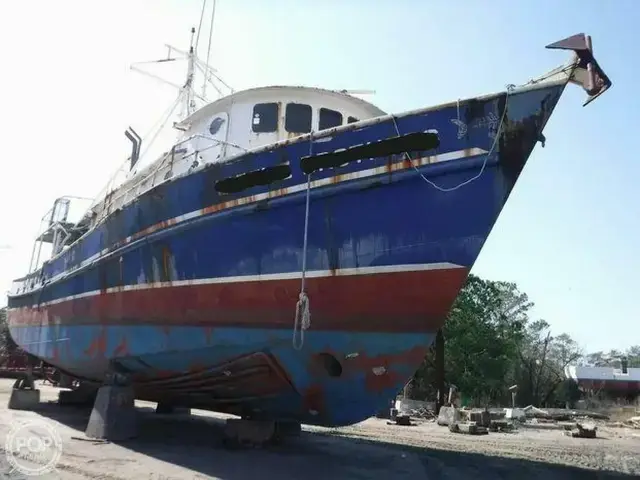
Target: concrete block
(406, 406)
(472, 428)
(581, 433)
(27, 399)
(259, 433)
(113, 416)
(256, 432)
(501, 426)
(448, 415)
(586, 430)
(515, 414)
(469, 428)
(403, 420)
(497, 415)
(481, 417)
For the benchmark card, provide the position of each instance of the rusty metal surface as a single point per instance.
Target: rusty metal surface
(156, 317)
(186, 279)
(588, 72)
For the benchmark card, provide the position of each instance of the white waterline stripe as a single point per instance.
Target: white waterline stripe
(342, 272)
(470, 152)
(422, 161)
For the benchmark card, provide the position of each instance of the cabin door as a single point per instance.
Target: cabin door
(212, 142)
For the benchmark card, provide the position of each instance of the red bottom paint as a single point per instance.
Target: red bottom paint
(383, 302)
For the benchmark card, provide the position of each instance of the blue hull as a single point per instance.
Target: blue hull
(193, 292)
(183, 368)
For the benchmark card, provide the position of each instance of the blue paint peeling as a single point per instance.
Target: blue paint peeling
(346, 398)
(387, 220)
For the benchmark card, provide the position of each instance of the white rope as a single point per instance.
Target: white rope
(510, 88)
(303, 310)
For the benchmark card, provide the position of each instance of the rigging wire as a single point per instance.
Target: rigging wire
(165, 119)
(206, 74)
(204, 71)
(204, 4)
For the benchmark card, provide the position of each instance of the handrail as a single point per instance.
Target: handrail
(106, 208)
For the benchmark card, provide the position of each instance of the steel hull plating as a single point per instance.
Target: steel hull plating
(193, 293)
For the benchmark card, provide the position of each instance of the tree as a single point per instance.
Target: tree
(633, 356)
(491, 344)
(7, 345)
(482, 335)
(612, 358)
(543, 359)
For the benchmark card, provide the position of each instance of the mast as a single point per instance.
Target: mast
(185, 101)
(189, 93)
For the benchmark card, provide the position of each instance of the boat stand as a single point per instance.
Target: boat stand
(24, 394)
(114, 415)
(239, 432)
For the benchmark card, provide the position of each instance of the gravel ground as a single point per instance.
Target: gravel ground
(173, 447)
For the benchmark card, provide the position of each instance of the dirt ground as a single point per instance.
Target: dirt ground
(182, 446)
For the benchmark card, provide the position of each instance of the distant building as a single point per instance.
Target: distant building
(608, 382)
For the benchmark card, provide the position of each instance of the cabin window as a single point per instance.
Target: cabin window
(352, 120)
(265, 118)
(329, 118)
(215, 125)
(298, 118)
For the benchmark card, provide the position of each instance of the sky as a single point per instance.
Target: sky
(568, 234)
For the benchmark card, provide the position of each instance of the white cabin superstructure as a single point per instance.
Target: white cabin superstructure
(237, 123)
(261, 116)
